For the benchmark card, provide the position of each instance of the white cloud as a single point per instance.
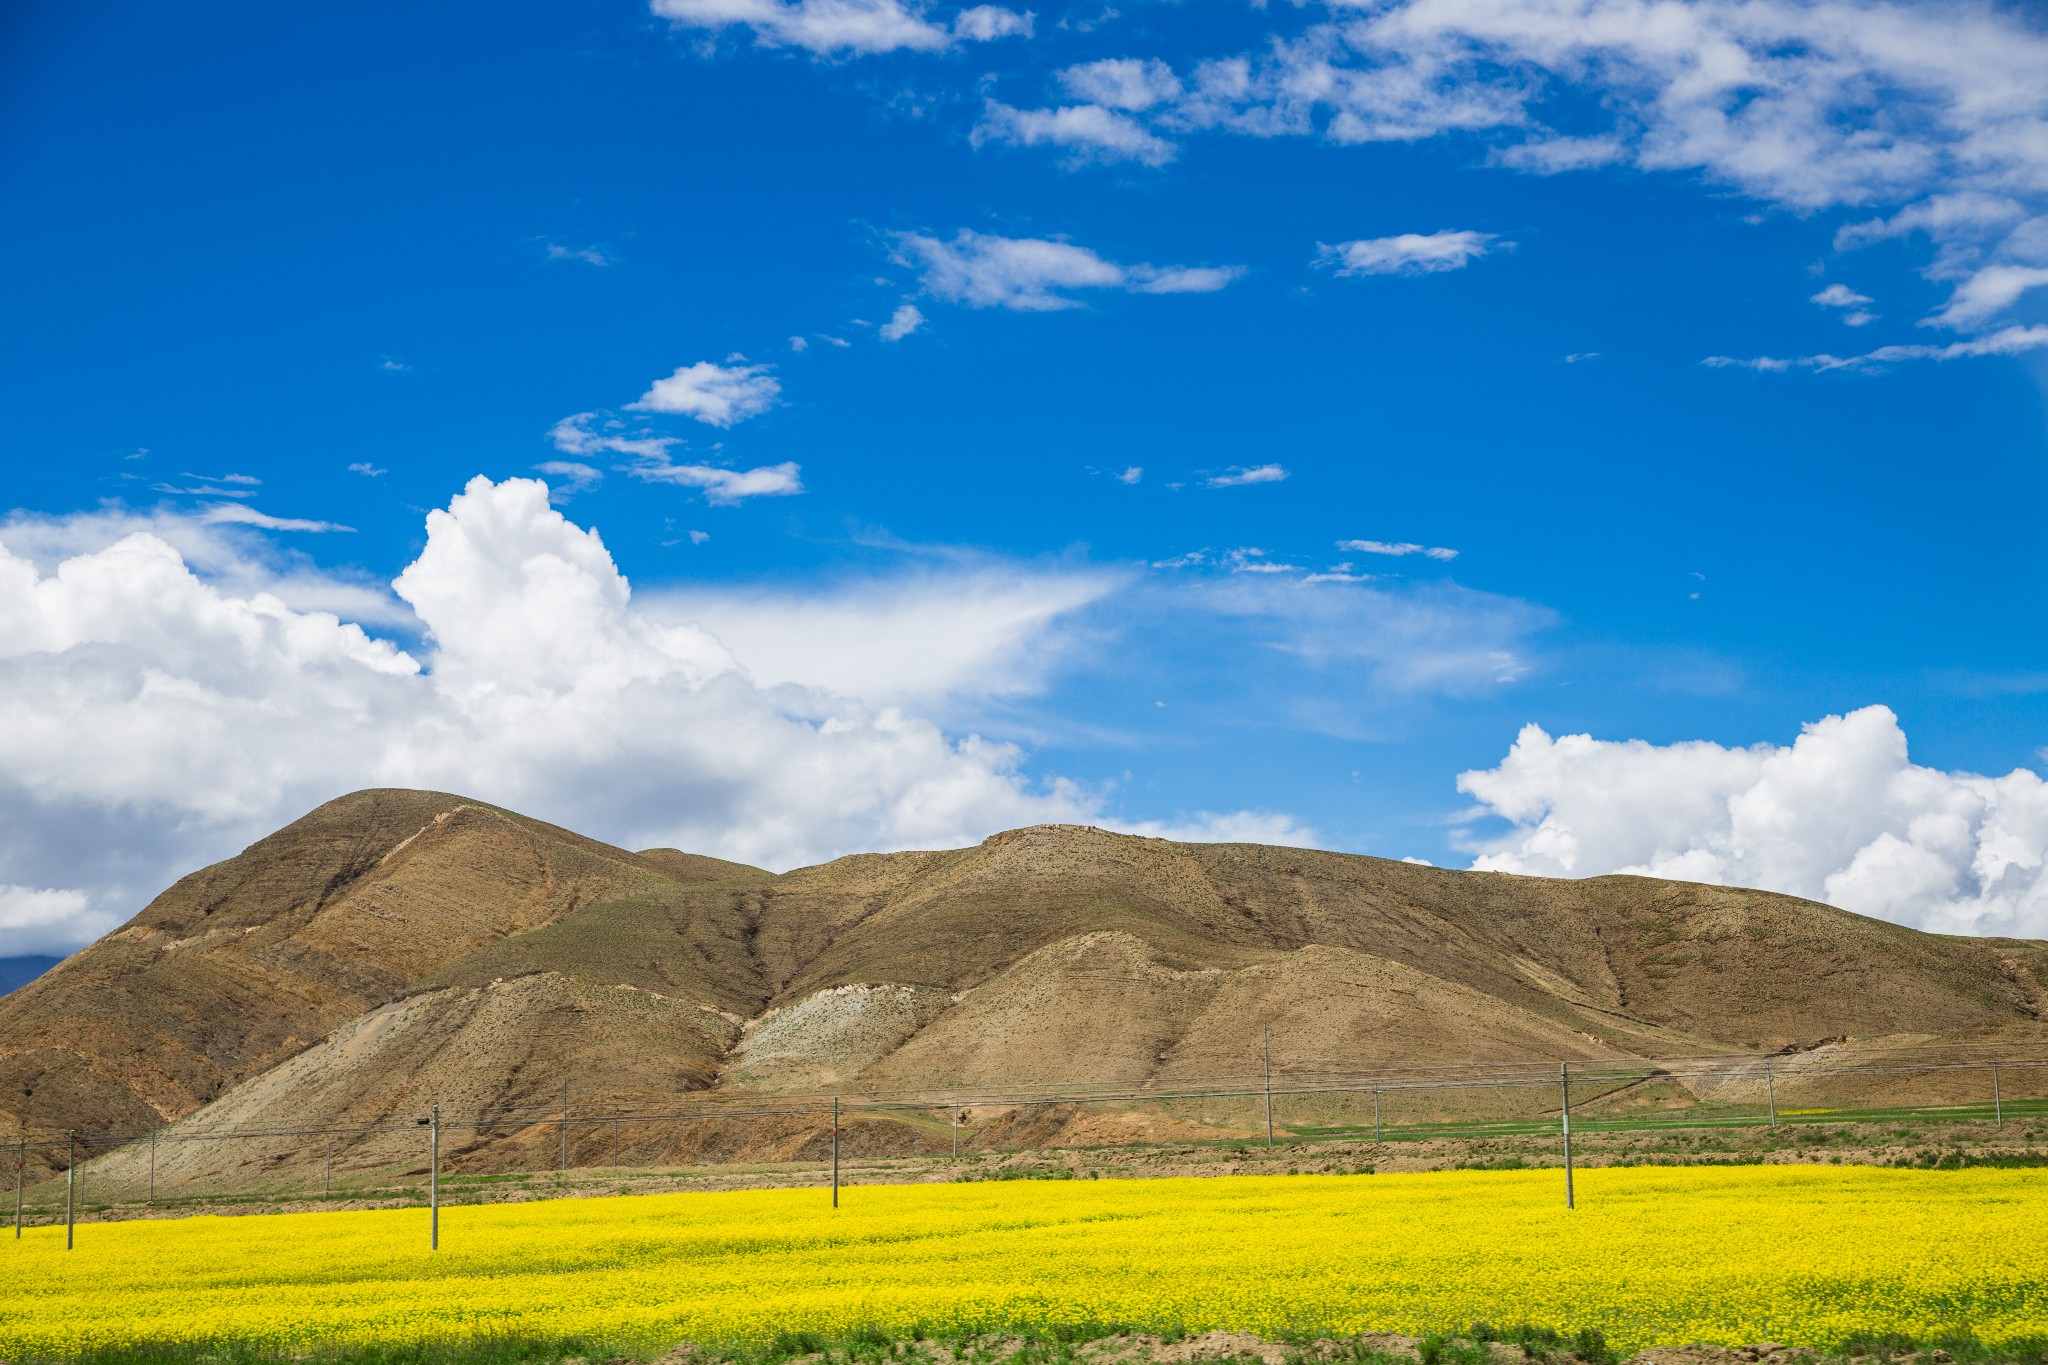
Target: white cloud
(1556, 155)
(1125, 83)
(585, 255)
(367, 470)
(719, 395)
(972, 631)
(1397, 548)
(1933, 117)
(844, 26)
(985, 23)
(2009, 341)
(150, 721)
(1840, 815)
(205, 488)
(1252, 559)
(239, 514)
(1409, 253)
(230, 556)
(1032, 274)
(1988, 292)
(799, 345)
(1231, 827)
(1239, 477)
(1333, 650)
(587, 433)
(1841, 296)
(723, 487)
(1131, 474)
(1089, 132)
(1182, 279)
(568, 478)
(906, 319)
(48, 921)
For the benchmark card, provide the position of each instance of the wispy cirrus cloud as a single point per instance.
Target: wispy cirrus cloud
(2006, 341)
(845, 26)
(1037, 274)
(1398, 548)
(240, 514)
(722, 487)
(1931, 119)
(1240, 477)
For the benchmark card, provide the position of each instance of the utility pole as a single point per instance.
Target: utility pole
(20, 1169)
(1564, 1080)
(70, 1187)
(565, 1126)
(433, 1125)
(1771, 1090)
(152, 1165)
(956, 1127)
(1375, 1113)
(1266, 1047)
(1997, 1102)
(835, 1151)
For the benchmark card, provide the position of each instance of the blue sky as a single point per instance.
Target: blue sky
(1469, 274)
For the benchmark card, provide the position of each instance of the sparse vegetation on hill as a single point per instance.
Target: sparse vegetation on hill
(396, 948)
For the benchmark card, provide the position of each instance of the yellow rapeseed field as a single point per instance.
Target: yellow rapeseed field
(1652, 1256)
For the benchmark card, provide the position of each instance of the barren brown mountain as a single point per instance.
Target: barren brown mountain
(398, 946)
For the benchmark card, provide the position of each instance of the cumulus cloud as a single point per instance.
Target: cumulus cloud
(1840, 815)
(1409, 253)
(1125, 83)
(986, 23)
(1031, 274)
(719, 395)
(1397, 548)
(844, 26)
(233, 555)
(47, 920)
(906, 319)
(150, 720)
